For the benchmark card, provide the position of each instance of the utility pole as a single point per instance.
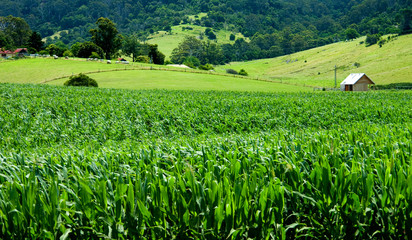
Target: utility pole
(335, 76)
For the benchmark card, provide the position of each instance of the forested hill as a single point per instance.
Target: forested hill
(321, 19)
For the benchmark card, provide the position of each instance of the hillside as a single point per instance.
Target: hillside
(167, 41)
(318, 20)
(387, 64)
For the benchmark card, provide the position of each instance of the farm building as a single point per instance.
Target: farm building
(20, 52)
(356, 82)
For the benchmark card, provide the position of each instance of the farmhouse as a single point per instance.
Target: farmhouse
(356, 82)
(20, 52)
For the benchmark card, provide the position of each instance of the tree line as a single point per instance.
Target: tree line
(325, 18)
(106, 41)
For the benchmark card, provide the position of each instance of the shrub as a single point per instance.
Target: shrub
(231, 71)
(206, 67)
(232, 37)
(94, 55)
(243, 72)
(192, 62)
(372, 39)
(143, 59)
(67, 53)
(81, 80)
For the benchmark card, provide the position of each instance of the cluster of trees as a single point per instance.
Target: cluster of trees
(106, 41)
(15, 32)
(324, 17)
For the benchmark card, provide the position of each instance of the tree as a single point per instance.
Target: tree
(54, 49)
(81, 80)
(107, 37)
(131, 47)
(87, 48)
(155, 55)
(35, 41)
(406, 26)
(189, 47)
(16, 29)
(351, 34)
(372, 39)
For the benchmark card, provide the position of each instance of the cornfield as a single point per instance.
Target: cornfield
(79, 163)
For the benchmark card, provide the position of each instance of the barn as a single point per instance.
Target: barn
(356, 82)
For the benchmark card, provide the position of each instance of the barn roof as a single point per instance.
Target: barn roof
(20, 49)
(353, 78)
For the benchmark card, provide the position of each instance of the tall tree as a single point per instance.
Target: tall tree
(406, 26)
(107, 37)
(131, 46)
(190, 46)
(35, 41)
(16, 29)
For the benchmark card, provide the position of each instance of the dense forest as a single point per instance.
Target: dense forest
(275, 26)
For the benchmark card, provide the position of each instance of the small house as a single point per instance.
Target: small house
(21, 52)
(356, 82)
(6, 53)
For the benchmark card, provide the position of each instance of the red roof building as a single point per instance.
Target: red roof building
(18, 52)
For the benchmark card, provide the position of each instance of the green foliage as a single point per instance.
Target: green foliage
(86, 49)
(232, 37)
(206, 67)
(81, 80)
(351, 34)
(90, 163)
(54, 49)
(372, 39)
(16, 29)
(243, 72)
(406, 23)
(231, 71)
(142, 59)
(35, 41)
(155, 55)
(206, 52)
(210, 34)
(68, 53)
(192, 62)
(94, 55)
(107, 37)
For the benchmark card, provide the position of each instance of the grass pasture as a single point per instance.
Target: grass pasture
(387, 64)
(169, 41)
(153, 79)
(82, 163)
(112, 76)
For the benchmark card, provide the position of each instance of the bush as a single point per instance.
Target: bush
(67, 53)
(81, 80)
(243, 72)
(232, 37)
(143, 59)
(192, 62)
(231, 71)
(372, 39)
(206, 67)
(94, 55)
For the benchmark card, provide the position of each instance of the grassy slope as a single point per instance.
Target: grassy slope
(391, 63)
(146, 79)
(167, 42)
(40, 70)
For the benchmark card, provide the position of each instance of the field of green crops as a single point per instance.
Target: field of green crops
(78, 163)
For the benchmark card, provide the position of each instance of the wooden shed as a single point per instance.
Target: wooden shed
(356, 82)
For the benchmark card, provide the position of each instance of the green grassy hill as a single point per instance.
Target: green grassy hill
(390, 63)
(168, 41)
(55, 72)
